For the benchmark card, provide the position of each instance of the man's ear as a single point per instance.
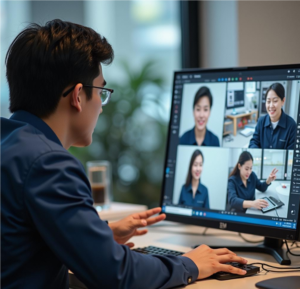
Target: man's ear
(76, 97)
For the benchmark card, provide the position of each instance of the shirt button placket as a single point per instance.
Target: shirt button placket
(272, 131)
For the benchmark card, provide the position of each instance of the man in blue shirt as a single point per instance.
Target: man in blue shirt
(48, 223)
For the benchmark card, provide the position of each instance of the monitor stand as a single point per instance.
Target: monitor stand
(270, 246)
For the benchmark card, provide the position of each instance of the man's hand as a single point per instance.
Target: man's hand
(126, 228)
(210, 261)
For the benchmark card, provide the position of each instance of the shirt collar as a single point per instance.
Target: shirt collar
(207, 138)
(282, 120)
(239, 180)
(189, 188)
(36, 122)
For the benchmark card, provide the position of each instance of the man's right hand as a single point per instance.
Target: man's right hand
(210, 261)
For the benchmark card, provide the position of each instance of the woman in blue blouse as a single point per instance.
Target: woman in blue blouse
(199, 134)
(276, 130)
(193, 193)
(242, 184)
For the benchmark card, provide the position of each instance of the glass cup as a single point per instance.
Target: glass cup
(99, 174)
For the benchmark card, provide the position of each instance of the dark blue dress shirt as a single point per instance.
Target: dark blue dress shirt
(238, 193)
(282, 137)
(49, 224)
(189, 138)
(201, 199)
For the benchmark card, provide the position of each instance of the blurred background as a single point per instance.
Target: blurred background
(151, 40)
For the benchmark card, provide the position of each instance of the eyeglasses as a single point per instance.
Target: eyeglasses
(105, 93)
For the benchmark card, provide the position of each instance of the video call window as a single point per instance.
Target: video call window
(258, 165)
(268, 107)
(202, 113)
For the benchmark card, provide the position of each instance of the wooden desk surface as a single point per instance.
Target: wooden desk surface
(181, 237)
(232, 116)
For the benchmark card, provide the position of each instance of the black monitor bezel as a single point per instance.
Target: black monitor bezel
(266, 231)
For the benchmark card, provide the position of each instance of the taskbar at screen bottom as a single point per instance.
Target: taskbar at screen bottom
(225, 217)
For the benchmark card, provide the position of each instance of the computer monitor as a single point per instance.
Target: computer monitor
(206, 184)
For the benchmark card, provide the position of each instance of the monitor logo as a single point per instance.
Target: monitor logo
(223, 225)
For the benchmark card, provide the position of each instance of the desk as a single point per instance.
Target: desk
(234, 118)
(118, 211)
(181, 237)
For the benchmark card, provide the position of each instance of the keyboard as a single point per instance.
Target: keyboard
(251, 270)
(151, 250)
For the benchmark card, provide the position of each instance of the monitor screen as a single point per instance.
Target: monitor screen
(233, 150)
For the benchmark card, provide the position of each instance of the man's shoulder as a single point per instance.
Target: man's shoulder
(26, 137)
(23, 143)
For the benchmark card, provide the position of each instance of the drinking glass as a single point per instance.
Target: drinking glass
(99, 175)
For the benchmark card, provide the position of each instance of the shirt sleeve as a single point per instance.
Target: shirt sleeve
(233, 199)
(58, 199)
(255, 140)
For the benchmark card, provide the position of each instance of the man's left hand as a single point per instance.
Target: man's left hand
(126, 228)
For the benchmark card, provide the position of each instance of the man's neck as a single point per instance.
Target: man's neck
(59, 126)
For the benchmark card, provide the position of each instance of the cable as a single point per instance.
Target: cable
(281, 269)
(204, 232)
(289, 250)
(276, 212)
(250, 241)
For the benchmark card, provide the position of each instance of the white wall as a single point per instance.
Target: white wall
(268, 32)
(219, 33)
(214, 174)
(249, 33)
(216, 119)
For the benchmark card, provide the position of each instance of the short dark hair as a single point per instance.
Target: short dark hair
(203, 91)
(43, 60)
(278, 88)
(195, 154)
(244, 157)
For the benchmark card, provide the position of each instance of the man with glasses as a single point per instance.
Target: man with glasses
(48, 222)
